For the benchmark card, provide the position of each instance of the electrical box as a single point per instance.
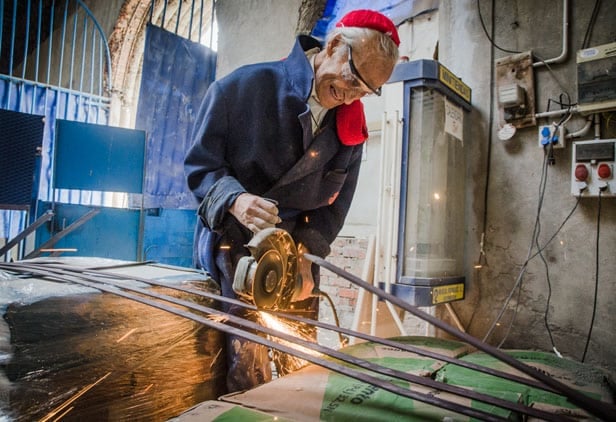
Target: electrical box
(596, 73)
(592, 168)
(552, 134)
(515, 90)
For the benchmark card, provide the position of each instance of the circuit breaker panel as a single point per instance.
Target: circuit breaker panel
(592, 168)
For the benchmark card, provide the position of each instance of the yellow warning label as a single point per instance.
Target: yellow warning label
(442, 294)
(454, 83)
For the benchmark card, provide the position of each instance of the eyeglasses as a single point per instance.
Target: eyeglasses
(355, 73)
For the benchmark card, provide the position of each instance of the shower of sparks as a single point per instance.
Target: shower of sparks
(54, 413)
(302, 331)
(125, 336)
(285, 363)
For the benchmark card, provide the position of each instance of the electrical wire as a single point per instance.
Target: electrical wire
(341, 338)
(591, 24)
(484, 223)
(536, 231)
(547, 305)
(551, 72)
(594, 305)
(537, 253)
(534, 241)
(562, 103)
(485, 30)
(518, 282)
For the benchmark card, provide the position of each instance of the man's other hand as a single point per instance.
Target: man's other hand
(254, 212)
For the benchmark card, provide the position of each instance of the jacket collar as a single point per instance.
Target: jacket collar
(298, 68)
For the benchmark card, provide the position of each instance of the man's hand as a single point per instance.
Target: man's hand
(254, 212)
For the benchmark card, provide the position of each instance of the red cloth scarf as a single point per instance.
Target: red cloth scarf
(351, 123)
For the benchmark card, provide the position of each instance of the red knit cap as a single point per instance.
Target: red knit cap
(370, 19)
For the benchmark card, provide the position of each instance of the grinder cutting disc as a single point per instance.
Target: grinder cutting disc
(274, 278)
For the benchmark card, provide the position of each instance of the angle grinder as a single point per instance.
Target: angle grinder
(269, 277)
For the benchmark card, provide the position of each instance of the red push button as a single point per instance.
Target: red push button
(604, 171)
(581, 173)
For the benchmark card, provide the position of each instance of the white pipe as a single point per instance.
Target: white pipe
(379, 230)
(396, 318)
(394, 179)
(455, 318)
(582, 131)
(362, 298)
(597, 126)
(572, 110)
(564, 52)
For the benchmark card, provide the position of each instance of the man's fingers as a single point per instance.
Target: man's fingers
(254, 212)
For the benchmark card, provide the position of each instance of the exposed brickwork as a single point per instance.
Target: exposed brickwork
(348, 253)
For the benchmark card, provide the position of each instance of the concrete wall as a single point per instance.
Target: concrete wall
(253, 31)
(512, 170)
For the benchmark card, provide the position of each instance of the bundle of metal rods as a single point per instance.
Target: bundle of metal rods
(342, 363)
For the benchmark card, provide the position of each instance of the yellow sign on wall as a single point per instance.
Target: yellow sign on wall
(448, 293)
(454, 83)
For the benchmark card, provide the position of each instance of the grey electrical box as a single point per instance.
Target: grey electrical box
(597, 78)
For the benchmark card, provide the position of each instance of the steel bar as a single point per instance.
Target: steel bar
(48, 215)
(409, 348)
(406, 347)
(223, 327)
(94, 282)
(53, 240)
(595, 407)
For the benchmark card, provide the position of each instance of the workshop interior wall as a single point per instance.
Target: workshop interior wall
(560, 288)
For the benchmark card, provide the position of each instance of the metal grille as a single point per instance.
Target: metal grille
(20, 147)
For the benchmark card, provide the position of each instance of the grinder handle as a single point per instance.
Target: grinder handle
(299, 282)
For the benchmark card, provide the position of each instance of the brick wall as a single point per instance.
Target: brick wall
(348, 253)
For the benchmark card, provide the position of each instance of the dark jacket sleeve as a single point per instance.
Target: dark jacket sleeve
(209, 176)
(317, 229)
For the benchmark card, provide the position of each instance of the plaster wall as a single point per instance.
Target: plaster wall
(558, 289)
(252, 31)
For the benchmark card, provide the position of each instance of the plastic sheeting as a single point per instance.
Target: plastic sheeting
(397, 10)
(71, 353)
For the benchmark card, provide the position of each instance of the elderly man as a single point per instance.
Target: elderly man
(279, 144)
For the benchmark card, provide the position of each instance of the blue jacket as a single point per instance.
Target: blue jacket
(253, 134)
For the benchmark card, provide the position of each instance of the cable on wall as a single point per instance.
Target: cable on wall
(491, 38)
(594, 305)
(591, 24)
(534, 241)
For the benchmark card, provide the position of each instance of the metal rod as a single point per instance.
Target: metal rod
(48, 215)
(595, 407)
(81, 274)
(83, 219)
(409, 348)
(328, 364)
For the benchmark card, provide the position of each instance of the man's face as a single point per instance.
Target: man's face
(338, 81)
